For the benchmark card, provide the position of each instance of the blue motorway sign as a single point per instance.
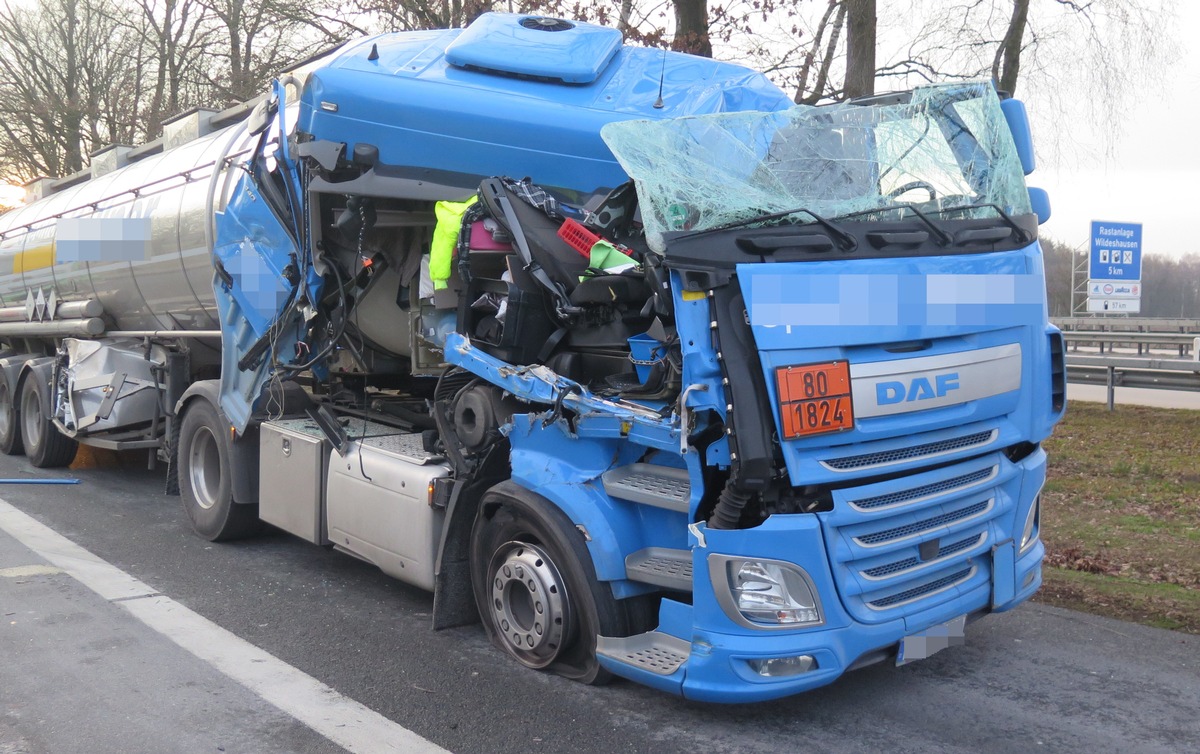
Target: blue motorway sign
(1116, 251)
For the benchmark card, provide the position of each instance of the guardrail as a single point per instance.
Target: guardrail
(1144, 370)
(1128, 324)
(1144, 341)
(1116, 371)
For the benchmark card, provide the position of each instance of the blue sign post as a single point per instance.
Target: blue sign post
(1115, 268)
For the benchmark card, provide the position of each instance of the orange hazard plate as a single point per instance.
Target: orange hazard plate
(815, 398)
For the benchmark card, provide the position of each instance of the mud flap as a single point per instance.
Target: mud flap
(1004, 574)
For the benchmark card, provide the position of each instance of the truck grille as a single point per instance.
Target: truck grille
(917, 493)
(906, 564)
(931, 587)
(909, 544)
(912, 453)
(924, 526)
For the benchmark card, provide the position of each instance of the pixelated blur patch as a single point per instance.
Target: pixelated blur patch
(921, 645)
(875, 300)
(261, 288)
(102, 239)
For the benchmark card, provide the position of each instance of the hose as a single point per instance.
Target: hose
(727, 513)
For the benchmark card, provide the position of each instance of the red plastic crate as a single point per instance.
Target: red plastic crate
(578, 237)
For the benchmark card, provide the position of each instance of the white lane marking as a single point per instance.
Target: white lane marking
(339, 718)
(17, 572)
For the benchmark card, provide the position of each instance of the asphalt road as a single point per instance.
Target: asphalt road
(1039, 678)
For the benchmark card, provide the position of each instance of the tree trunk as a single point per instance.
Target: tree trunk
(72, 123)
(691, 27)
(860, 48)
(1007, 65)
(623, 16)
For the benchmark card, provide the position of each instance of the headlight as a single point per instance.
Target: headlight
(765, 593)
(1029, 537)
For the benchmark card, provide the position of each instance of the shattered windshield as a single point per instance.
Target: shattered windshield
(947, 151)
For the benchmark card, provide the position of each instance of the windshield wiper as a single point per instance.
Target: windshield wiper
(942, 236)
(1022, 234)
(845, 241)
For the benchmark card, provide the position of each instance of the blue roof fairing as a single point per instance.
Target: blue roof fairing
(423, 112)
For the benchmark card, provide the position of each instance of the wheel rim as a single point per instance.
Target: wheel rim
(31, 418)
(205, 468)
(529, 603)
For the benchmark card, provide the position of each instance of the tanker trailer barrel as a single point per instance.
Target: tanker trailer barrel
(62, 328)
(65, 310)
(135, 242)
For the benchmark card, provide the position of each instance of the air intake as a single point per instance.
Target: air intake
(545, 23)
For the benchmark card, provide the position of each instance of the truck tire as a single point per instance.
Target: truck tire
(10, 425)
(206, 479)
(536, 587)
(45, 446)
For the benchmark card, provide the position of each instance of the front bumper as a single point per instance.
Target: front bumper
(718, 666)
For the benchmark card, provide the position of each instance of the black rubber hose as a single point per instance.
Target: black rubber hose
(727, 513)
(418, 419)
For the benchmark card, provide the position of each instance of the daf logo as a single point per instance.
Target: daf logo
(919, 389)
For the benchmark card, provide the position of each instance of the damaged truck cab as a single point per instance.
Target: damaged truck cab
(612, 349)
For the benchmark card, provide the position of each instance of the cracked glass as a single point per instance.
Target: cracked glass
(947, 152)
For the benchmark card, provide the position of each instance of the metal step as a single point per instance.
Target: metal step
(662, 567)
(653, 651)
(646, 483)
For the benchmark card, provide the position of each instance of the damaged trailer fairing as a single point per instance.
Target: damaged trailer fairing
(108, 385)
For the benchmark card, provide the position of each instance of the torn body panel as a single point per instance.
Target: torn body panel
(105, 385)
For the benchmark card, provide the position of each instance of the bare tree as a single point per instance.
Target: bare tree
(831, 23)
(68, 84)
(261, 37)
(178, 35)
(402, 15)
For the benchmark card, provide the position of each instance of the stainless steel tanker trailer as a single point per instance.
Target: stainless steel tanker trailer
(411, 306)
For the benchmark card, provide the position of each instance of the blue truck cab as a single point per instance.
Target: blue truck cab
(711, 392)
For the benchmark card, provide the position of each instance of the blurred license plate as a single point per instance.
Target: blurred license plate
(931, 640)
(814, 398)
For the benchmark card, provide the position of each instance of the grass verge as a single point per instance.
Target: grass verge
(1121, 515)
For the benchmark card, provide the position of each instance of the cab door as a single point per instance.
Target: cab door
(262, 264)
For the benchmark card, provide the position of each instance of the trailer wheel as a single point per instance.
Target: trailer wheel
(10, 428)
(206, 478)
(45, 446)
(536, 588)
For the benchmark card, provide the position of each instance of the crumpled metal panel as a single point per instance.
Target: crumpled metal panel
(106, 384)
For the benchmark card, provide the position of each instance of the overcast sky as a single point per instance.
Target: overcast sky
(1155, 173)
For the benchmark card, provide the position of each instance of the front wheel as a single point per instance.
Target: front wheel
(536, 587)
(45, 446)
(206, 477)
